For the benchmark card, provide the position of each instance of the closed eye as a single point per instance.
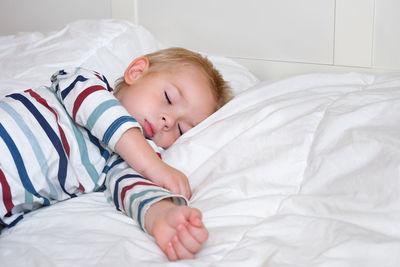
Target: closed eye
(167, 98)
(180, 130)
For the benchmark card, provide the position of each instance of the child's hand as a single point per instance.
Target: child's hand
(171, 179)
(147, 163)
(178, 230)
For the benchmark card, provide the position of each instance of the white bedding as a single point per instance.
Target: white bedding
(299, 172)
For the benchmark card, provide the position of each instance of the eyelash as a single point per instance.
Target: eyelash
(169, 102)
(180, 130)
(166, 97)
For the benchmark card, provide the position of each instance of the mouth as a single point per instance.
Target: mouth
(149, 129)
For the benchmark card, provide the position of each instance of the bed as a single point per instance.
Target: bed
(301, 168)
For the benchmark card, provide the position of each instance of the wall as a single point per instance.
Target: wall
(279, 37)
(48, 15)
(273, 38)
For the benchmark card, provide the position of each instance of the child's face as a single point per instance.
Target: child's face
(168, 104)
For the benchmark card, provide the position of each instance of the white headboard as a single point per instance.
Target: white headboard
(273, 38)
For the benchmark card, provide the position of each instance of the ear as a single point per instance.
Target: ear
(136, 69)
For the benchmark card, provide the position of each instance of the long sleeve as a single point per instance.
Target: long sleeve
(131, 193)
(88, 99)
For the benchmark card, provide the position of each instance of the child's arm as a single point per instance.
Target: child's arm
(136, 151)
(177, 228)
(88, 99)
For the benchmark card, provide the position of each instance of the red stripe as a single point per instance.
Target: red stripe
(82, 96)
(126, 188)
(44, 103)
(7, 197)
(81, 187)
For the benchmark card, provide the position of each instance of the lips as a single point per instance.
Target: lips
(148, 128)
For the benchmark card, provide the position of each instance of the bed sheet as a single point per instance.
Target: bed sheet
(298, 172)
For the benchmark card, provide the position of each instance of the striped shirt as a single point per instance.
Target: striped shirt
(58, 142)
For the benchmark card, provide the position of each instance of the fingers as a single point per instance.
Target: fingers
(188, 240)
(195, 218)
(181, 188)
(180, 250)
(183, 184)
(176, 251)
(178, 183)
(170, 252)
(185, 189)
(185, 245)
(189, 236)
(199, 233)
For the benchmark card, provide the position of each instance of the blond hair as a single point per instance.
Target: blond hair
(176, 57)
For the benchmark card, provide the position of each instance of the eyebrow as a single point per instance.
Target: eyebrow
(179, 90)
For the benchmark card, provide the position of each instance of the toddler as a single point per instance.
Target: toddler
(78, 136)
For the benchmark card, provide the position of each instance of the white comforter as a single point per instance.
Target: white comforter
(299, 172)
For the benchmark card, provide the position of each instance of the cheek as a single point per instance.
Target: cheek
(164, 139)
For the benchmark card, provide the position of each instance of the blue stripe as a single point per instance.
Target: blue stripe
(19, 164)
(118, 161)
(140, 208)
(84, 153)
(135, 196)
(118, 170)
(107, 168)
(40, 157)
(54, 78)
(91, 170)
(100, 111)
(13, 223)
(63, 161)
(67, 90)
(106, 82)
(103, 152)
(116, 194)
(114, 126)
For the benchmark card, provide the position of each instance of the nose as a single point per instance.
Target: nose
(168, 121)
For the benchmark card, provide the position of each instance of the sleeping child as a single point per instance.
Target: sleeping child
(78, 136)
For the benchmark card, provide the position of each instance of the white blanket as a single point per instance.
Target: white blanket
(299, 172)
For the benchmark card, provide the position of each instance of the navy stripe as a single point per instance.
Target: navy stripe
(103, 79)
(140, 207)
(104, 153)
(67, 90)
(55, 140)
(118, 161)
(107, 168)
(107, 84)
(13, 223)
(116, 194)
(114, 126)
(55, 75)
(19, 164)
